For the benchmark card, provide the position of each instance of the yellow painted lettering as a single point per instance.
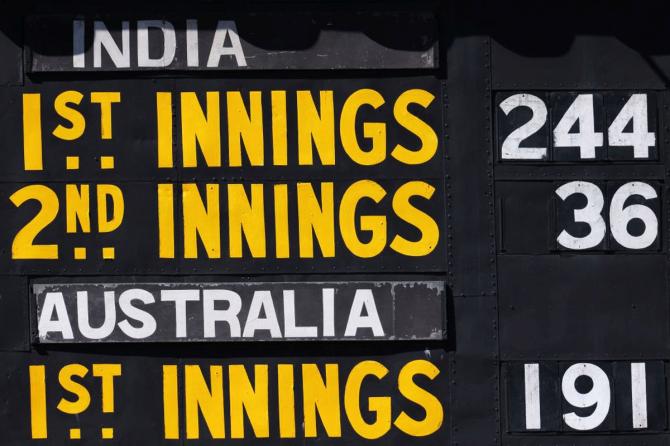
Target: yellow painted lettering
(70, 114)
(380, 405)
(77, 208)
(279, 132)
(166, 221)
(322, 397)
(415, 125)
(170, 402)
(23, 246)
(316, 217)
(374, 131)
(32, 131)
(282, 244)
(375, 224)
(246, 217)
(316, 127)
(201, 128)
(38, 402)
(430, 233)
(201, 220)
(83, 397)
(430, 404)
(245, 126)
(249, 399)
(164, 122)
(107, 222)
(286, 396)
(107, 372)
(105, 99)
(206, 399)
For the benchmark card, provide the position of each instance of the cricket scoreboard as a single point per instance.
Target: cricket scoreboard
(334, 223)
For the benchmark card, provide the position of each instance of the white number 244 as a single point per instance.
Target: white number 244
(581, 111)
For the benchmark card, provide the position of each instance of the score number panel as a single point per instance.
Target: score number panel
(552, 396)
(567, 127)
(587, 129)
(580, 216)
(580, 173)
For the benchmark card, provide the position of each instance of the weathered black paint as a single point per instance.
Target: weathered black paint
(514, 296)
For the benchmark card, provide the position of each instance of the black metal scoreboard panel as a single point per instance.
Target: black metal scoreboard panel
(334, 223)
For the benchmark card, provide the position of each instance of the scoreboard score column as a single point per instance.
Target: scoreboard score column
(580, 190)
(552, 396)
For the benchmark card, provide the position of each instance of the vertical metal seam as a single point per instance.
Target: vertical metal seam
(492, 231)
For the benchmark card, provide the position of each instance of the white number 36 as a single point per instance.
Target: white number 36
(619, 215)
